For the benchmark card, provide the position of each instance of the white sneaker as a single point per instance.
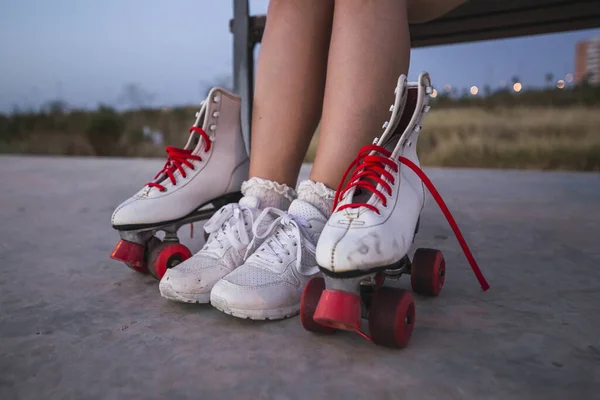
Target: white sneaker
(230, 232)
(269, 284)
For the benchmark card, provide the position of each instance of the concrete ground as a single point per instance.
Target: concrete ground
(75, 324)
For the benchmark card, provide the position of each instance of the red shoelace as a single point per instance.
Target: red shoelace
(370, 168)
(179, 158)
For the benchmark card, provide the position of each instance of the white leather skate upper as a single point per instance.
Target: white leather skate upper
(375, 215)
(213, 163)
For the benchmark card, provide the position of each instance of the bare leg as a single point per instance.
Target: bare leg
(289, 88)
(370, 48)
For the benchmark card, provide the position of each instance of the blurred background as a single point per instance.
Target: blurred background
(124, 78)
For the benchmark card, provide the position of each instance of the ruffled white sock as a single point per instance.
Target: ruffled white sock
(317, 194)
(269, 193)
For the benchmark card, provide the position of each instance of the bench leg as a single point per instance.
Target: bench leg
(243, 64)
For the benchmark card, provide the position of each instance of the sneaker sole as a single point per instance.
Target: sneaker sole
(167, 291)
(257, 315)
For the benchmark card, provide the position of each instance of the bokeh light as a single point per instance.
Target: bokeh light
(517, 87)
(434, 93)
(569, 78)
(474, 90)
(447, 88)
(560, 84)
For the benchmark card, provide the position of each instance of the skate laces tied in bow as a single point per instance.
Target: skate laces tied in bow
(226, 223)
(179, 158)
(371, 174)
(284, 231)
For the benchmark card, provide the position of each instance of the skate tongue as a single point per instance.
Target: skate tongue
(250, 202)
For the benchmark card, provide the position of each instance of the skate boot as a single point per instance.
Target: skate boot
(229, 242)
(269, 284)
(371, 230)
(195, 181)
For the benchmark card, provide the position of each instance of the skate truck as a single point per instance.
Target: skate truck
(369, 234)
(194, 183)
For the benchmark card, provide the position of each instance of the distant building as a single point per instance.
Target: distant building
(587, 61)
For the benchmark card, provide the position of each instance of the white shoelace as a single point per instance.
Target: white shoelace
(226, 223)
(282, 233)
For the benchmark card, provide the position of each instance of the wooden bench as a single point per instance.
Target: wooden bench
(475, 20)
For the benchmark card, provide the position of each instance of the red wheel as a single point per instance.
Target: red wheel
(166, 255)
(132, 254)
(392, 317)
(308, 305)
(428, 272)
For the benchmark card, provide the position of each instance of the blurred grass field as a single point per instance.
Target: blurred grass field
(556, 138)
(522, 138)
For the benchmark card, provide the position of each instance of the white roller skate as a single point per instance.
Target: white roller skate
(371, 230)
(195, 181)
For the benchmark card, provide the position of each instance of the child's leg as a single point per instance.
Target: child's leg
(289, 86)
(369, 49)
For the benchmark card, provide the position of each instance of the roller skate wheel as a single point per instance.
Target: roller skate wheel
(392, 317)
(339, 310)
(165, 256)
(308, 304)
(132, 254)
(428, 272)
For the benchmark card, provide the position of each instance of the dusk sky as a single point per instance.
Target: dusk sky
(85, 51)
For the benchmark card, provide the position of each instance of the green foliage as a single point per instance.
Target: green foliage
(104, 130)
(545, 128)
